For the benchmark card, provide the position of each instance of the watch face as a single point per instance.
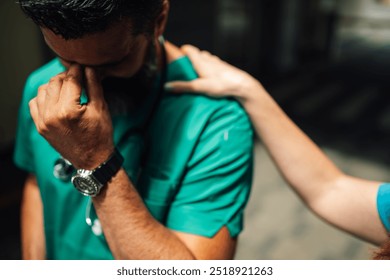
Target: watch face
(85, 185)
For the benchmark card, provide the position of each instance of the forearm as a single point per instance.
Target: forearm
(304, 166)
(33, 237)
(129, 228)
(351, 205)
(346, 202)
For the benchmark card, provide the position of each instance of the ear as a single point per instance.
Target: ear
(161, 20)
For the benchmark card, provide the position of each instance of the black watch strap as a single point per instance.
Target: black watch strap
(109, 168)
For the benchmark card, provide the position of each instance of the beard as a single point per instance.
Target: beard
(124, 95)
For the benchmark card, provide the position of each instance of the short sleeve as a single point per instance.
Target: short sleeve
(218, 179)
(23, 154)
(383, 204)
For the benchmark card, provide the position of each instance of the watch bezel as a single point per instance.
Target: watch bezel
(91, 186)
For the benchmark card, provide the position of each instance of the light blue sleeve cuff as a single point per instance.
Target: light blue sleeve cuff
(383, 204)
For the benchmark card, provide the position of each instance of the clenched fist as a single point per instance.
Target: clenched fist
(81, 133)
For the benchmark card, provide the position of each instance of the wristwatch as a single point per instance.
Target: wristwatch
(90, 182)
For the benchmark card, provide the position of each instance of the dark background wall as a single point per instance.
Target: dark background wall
(326, 62)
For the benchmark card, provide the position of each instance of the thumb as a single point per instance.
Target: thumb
(93, 86)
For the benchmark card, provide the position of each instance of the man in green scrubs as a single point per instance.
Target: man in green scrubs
(163, 176)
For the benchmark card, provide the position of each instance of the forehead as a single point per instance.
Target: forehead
(96, 49)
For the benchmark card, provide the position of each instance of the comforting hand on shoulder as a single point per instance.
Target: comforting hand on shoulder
(216, 77)
(81, 133)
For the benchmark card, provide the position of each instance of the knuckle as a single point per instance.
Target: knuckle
(50, 121)
(68, 115)
(42, 88)
(42, 129)
(189, 48)
(70, 78)
(186, 47)
(41, 93)
(62, 114)
(31, 102)
(51, 87)
(215, 58)
(82, 108)
(53, 80)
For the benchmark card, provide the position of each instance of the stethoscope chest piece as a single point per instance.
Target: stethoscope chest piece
(63, 169)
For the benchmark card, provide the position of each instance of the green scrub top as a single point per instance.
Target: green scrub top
(196, 176)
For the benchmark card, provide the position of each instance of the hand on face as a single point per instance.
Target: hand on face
(80, 133)
(216, 77)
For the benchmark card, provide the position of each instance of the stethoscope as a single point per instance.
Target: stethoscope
(64, 170)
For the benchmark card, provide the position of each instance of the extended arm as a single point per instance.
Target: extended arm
(346, 202)
(33, 237)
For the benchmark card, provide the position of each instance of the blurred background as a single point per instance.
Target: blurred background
(326, 62)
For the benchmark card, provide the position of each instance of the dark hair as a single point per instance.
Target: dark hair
(73, 19)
